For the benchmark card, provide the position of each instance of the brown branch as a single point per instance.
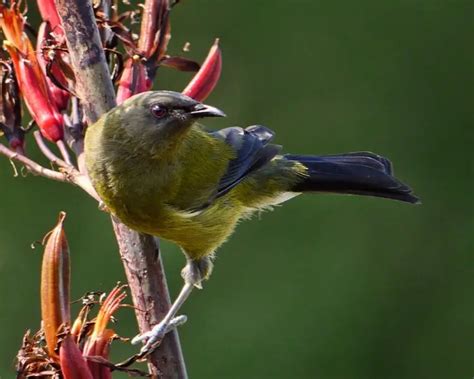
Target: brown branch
(92, 78)
(150, 309)
(139, 253)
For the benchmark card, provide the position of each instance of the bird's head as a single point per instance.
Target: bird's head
(160, 118)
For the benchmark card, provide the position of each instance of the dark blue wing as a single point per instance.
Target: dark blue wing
(252, 149)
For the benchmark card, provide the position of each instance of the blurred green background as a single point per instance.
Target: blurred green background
(325, 286)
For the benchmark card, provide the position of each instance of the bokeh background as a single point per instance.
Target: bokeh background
(325, 286)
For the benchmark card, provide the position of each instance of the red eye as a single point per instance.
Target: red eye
(158, 111)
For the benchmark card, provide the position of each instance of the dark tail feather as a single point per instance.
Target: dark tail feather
(360, 173)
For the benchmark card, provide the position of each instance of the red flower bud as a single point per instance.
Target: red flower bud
(59, 96)
(201, 86)
(30, 78)
(133, 80)
(36, 95)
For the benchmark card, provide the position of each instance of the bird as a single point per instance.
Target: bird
(160, 172)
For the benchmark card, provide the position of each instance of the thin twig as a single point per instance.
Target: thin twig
(53, 158)
(32, 166)
(64, 153)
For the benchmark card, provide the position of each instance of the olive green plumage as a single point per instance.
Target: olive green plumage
(155, 180)
(161, 173)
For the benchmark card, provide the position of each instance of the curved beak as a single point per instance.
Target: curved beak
(203, 110)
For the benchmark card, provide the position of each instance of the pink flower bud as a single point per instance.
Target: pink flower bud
(201, 86)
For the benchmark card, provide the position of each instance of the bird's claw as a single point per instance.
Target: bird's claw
(153, 338)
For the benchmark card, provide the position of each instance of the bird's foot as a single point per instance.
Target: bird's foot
(153, 338)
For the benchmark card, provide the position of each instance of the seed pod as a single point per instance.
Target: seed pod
(55, 270)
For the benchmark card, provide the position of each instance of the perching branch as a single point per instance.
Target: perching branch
(68, 175)
(139, 253)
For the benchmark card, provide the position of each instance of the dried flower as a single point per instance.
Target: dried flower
(98, 343)
(10, 107)
(84, 347)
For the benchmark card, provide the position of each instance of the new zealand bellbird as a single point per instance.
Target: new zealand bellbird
(161, 173)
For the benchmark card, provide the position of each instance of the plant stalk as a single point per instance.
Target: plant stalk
(139, 253)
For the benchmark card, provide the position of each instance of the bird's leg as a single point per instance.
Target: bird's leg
(153, 337)
(193, 274)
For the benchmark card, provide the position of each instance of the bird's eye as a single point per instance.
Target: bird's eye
(158, 111)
